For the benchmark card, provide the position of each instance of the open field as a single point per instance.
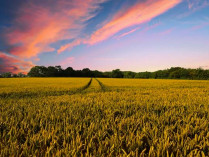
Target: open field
(103, 117)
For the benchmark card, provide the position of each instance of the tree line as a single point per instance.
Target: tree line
(58, 71)
(9, 75)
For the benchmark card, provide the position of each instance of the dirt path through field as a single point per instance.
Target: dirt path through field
(79, 90)
(102, 86)
(94, 85)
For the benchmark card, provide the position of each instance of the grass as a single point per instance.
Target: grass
(103, 117)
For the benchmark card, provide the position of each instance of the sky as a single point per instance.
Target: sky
(135, 35)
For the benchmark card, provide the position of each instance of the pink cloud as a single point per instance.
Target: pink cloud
(39, 24)
(9, 63)
(135, 15)
(69, 46)
(36, 59)
(127, 33)
(66, 62)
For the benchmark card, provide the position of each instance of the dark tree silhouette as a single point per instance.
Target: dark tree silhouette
(117, 73)
(57, 71)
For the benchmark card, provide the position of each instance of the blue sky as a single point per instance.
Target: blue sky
(137, 35)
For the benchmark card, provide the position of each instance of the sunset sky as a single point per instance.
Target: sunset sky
(136, 35)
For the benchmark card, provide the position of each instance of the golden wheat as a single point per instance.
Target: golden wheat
(103, 117)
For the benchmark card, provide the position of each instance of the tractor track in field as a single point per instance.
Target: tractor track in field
(102, 86)
(79, 90)
(53, 93)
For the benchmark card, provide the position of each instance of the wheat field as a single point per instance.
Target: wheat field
(103, 117)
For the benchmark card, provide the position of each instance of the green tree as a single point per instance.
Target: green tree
(86, 72)
(20, 75)
(52, 71)
(69, 72)
(129, 74)
(35, 72)
(7, 75)
(117, 73)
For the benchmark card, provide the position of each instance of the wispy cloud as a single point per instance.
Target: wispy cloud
(66, 62)
(40, 24)
(69, 46)
(139, 13)
(135, 15)
(127, 33)
(197, 4)
(10, 63)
